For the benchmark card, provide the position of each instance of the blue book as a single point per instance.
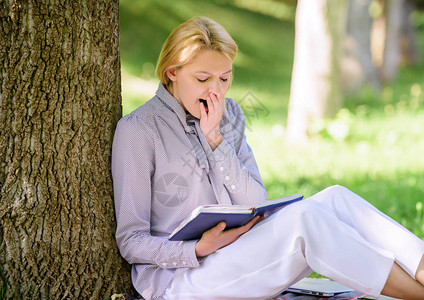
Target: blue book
(207, 216)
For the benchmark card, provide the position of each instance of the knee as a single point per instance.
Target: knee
(340, 200)
(337, 190)
(335, 193)
(334, 198)
(339, 194)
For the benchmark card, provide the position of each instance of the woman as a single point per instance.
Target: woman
(186, 147)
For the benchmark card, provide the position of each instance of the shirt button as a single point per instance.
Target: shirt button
(184, 262)
(221, 169)
(233, 187)
(227, 178)
(164, 264)
(175, 264)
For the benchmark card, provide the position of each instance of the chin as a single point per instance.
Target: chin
(195, 114)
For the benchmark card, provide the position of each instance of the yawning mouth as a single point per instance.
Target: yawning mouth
(205, 103)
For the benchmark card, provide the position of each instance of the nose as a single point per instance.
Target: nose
(216, 86)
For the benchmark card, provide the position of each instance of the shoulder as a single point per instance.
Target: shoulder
(140, 124)
(144, 116)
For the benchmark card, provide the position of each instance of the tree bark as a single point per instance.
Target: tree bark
(59, 103)
(316, 84)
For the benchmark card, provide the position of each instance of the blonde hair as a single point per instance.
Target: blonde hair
(187, 40)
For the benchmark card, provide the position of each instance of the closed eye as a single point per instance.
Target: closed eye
(202, 80)
(224, 79)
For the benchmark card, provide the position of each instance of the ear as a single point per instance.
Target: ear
(171, 73)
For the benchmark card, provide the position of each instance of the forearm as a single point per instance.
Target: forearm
(143, 248)
(239, 174)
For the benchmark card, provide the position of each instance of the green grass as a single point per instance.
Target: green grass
(374, 147)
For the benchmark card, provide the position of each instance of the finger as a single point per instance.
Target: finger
(203, 113)
(211, 104)
(216, 99)
(260, 218)
(220, 99)
(243, 229)
(251, 223)
(219, 228)
(217, 95)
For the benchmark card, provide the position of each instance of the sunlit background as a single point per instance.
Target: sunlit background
(374, 146)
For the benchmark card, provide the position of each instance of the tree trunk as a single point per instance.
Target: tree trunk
(393, 13)
(393, 37)
(316, 84)
(59, 103)
(408, 45)
(358, 68)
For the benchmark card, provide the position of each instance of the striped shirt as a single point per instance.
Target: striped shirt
(163, 168)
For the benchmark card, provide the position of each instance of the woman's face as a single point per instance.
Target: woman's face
(209, 72)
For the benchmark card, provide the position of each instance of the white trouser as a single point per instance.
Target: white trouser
(335, 233)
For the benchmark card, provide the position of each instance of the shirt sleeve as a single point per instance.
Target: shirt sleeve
(234, 163)
(133, 160)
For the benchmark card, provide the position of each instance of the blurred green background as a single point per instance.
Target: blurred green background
(374, 146)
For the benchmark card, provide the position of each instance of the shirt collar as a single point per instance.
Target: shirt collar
(172, 104)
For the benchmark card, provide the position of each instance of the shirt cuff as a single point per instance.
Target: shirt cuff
(188, 258)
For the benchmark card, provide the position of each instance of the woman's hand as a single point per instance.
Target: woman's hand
(209, 120)
(216, 238)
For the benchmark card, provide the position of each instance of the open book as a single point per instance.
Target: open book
(207, 216)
